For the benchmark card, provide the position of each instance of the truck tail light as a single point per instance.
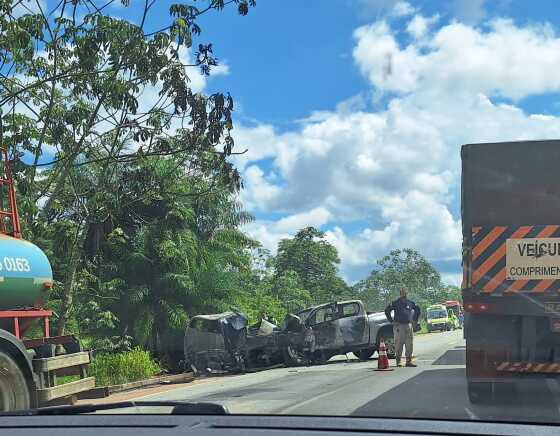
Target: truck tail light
(477, 307)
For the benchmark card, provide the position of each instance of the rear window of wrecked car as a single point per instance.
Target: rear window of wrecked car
(205, 325)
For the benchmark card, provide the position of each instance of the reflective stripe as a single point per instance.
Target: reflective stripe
(532, 367)
(502, 366)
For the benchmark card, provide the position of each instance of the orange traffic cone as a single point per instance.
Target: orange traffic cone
(382, 359)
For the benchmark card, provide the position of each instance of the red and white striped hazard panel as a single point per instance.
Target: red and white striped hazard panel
(516, 258)
(529, 367)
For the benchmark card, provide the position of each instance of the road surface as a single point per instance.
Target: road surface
(436, 388)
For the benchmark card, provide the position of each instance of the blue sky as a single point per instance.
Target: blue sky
(353, 112)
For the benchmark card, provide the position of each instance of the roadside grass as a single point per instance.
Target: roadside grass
(118, 368)
(423, 328)
(66, 379)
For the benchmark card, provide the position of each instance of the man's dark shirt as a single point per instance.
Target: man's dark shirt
(405, 311)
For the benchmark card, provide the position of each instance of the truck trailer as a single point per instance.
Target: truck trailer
(30, 365)
(511, 263)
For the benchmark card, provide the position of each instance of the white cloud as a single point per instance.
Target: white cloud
(397, 170)
(403, 9)
(452, 279)
(269, 233)
(316, 217)
(469, 11)
(418, 26)
(198, 80)
(259, 190)
(505, 60)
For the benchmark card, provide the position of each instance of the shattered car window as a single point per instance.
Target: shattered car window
(350, 309)
(322, 314)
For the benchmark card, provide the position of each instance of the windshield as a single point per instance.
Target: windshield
(251, 203)
(437, 314)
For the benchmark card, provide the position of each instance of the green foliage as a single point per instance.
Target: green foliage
(111, 369)
(404, 268)
(73, 81)
(315, 262)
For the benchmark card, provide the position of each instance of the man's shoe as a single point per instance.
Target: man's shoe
(399, 363)
(410, 364)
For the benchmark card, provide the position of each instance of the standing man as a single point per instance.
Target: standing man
(406, 312)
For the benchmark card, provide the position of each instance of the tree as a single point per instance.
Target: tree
(73, 80)
(169, 263)
(401, 268)
(315, 261)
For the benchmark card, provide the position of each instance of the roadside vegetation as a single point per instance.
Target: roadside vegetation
(118, 368)
(135, 201)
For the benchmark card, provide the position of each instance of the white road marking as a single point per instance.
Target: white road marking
(317, 397)
(552, 384)
(471, 414)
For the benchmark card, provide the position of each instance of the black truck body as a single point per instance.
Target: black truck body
(510, 207)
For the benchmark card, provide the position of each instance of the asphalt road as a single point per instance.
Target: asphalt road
(435, 389)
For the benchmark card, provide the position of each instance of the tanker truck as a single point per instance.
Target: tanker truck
(29, 366)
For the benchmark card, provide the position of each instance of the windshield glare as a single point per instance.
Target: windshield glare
(268, 204)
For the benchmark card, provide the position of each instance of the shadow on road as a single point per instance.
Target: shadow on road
(455, 356)
(442, 393)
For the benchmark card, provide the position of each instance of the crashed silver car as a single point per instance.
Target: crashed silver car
(337, 328)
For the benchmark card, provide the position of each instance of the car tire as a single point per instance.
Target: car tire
(294, 357)
(364, 353)
(14, 389)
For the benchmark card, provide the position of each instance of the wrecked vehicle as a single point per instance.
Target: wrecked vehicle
(335, 329)
(225, 342)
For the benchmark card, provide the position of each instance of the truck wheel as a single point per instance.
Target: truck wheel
(480, 392)
(364, 353)
(14, 391)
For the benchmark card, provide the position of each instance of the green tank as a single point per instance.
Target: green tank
(25, 274)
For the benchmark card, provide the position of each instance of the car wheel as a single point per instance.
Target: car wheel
(293, 356)
(364, 354)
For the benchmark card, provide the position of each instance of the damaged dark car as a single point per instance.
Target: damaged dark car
(226, 343)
